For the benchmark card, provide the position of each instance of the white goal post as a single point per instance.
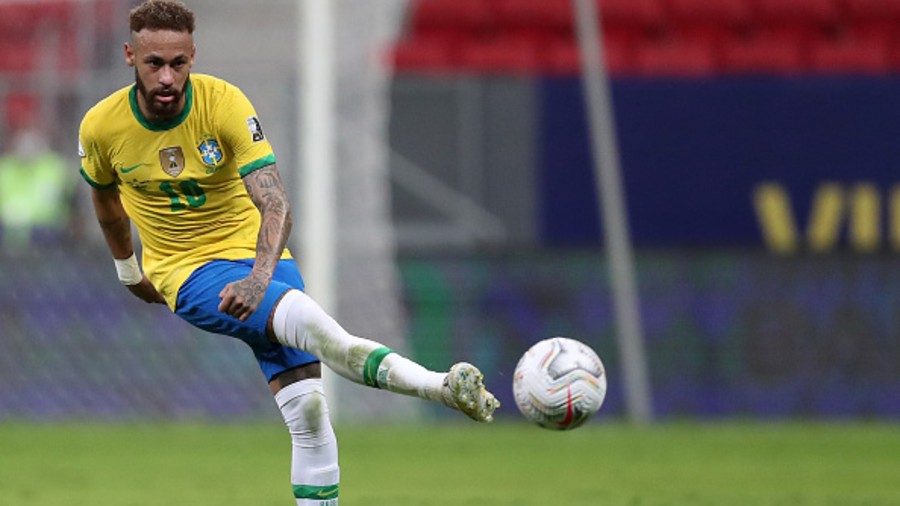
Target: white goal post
(346, 238)
(611, 207)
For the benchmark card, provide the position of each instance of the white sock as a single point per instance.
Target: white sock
(301, 323)
(314, 455)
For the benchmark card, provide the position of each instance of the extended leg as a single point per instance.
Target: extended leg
(301, 323)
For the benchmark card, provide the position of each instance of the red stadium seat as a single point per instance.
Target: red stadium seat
(893, 49)
(423, 56)
(651, 37)
(546, 17)
(533, 22)
(850, 55)
(796, 18)
(818, 11)
(709, 21)
(18, 56)
(868, 17)
(871, 9)
(23, 19)
(675, 58)
(18, 21)
(632, 19)
(517, 56)
(633, 12)
(450, 17)
(564, 58)
(22, 24)
(762, 55)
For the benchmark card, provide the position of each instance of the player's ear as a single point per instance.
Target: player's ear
(129, 55)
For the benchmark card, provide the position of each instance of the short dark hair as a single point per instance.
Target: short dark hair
(162, 15)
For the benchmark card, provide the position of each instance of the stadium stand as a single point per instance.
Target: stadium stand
(538, 19)
(709, 22)
(426, 55)
(760, 55)
(655, 37)
(504, 55)
(562, 57)
(453, 19)
(675, 58)
(40, 43)
(17, 56)
(632, 19)
(873, 17)
(25, 28)
(858, 55)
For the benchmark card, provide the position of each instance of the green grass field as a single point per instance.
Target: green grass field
(730, 464)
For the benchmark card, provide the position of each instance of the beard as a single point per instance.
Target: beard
(160, 111)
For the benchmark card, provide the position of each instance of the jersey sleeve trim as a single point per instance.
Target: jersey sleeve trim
(258, 164)
(94, 183)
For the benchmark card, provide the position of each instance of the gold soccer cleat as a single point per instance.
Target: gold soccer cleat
(464, 390)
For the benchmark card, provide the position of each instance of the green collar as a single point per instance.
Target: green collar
(166, 125)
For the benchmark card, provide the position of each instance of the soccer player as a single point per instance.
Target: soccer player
(184, 157)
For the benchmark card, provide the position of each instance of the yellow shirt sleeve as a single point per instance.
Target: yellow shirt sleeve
(95, 168)
(241, 131)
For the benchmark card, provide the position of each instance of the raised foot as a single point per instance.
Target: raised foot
(464, 390)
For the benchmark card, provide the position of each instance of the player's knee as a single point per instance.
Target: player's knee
(313, 412)
(305, 412)
(299, 321)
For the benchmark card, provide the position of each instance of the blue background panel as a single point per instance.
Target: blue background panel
(692, 152)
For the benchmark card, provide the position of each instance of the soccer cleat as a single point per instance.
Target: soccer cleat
(464, 390)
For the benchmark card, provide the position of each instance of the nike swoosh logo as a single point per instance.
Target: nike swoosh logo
(129, 169)
(328, 492)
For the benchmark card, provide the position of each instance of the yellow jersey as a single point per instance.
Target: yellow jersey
(181, 181)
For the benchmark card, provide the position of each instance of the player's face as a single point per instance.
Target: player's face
(162, 61)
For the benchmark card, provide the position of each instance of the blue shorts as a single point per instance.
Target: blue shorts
(198, 304)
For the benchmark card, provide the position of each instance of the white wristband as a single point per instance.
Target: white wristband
(128, 270)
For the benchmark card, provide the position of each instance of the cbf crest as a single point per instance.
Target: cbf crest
(172, 160)
(210, 152)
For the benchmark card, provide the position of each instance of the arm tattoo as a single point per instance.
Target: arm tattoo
(269, 196)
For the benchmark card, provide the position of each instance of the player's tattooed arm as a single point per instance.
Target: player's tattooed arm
(241, 298)
(268, 194)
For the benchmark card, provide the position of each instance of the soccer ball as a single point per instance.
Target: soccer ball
(559, 383)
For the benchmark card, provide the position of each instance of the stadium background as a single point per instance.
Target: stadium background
(759, 155)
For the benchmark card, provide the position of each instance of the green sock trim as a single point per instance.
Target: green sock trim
(370, 370)
(314, 492)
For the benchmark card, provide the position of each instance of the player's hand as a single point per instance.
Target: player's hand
(241, 298)
(146, 292)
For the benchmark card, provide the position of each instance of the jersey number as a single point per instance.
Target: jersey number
(193, 194)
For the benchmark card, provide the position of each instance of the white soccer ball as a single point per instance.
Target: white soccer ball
(559, 383)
